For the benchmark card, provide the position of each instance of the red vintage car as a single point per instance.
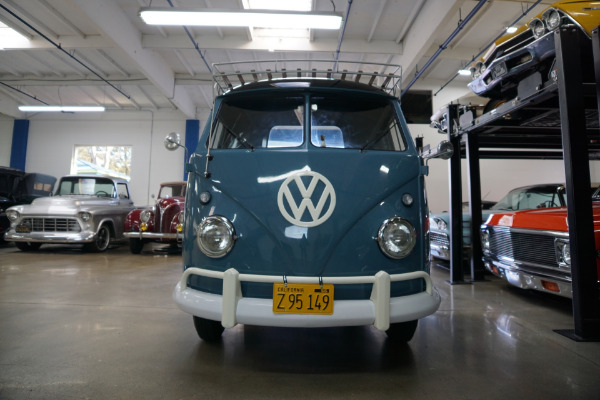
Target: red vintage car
(162, 222)
(530, 248)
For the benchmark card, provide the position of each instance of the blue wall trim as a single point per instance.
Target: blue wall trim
(192, 133)
(18, 151)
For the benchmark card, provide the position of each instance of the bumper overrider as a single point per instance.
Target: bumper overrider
(380, 310)
(533, 277)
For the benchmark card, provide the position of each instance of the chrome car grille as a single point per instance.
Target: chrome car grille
(52, 224)
(530, 247)
(439, 238)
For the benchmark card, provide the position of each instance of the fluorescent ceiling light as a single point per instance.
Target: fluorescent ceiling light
(464, 72)
(290, 5)
(511, 29)
(61, 108)
(9, 38)
(262, 19)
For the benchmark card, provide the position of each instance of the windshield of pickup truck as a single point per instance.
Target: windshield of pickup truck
(341, 121)
(86, 186)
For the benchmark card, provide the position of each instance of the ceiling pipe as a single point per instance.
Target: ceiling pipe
(339, 46)
(58, 46)
(187, 31)
(444, 45)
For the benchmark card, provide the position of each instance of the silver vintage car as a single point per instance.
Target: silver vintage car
(88, 210)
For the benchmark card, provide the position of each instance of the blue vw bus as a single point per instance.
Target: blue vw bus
(306, 206)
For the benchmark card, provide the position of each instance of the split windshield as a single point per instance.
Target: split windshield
(341, 121)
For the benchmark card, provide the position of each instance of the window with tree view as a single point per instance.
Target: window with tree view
(112, 161)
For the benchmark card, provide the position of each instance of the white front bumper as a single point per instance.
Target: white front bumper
(381, 310)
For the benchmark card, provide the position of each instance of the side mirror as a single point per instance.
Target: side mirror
(172, 141)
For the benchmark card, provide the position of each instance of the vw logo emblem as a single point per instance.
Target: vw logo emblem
(294, 199)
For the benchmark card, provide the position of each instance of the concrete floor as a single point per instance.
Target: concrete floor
(103, 326)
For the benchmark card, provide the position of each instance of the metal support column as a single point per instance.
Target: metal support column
(454, 172)
(586, 304)
(472, 146)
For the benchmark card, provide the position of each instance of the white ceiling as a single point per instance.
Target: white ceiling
(109, 57)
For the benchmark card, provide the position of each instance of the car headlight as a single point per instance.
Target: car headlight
(537, 28)
(396, 237)
(85, 216)
(441, 224)
(563, 252)
(12, 215)
(145, 216)
(552, 19)
(180, 220)
(474, 73)
(215, 236)
(485, 240)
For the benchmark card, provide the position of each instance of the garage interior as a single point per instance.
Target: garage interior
(78, 325)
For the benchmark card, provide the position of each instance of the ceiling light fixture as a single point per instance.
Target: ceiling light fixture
(247, 18)
(296, 5)
(464, 72)
(61, 108)
(511, 29)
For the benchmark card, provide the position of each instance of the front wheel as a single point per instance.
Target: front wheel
(402, 332)
(28, 246)
(102, 241)
(208, 330)
(136, 246)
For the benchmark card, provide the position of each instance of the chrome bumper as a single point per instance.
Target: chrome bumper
(51, 237)
(153, 235)
(232, 308)
(515, 276)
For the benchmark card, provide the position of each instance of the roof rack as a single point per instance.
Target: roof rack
(226, 76)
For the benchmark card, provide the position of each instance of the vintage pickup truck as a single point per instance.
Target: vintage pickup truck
(88, 210)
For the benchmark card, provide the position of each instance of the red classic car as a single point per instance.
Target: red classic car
(162, 222)
(530, 248)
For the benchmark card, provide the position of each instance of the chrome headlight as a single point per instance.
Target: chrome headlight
(485, 240)
(552, 19)
(396, 237)
(563, 252)
(215, 236)
(145, 216)
(85, 216)
(537, 28)
(12, 215)
(474, 72)
(441, 224)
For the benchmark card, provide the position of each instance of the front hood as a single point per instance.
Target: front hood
(63, 205)
(297, 211)
(552, 219)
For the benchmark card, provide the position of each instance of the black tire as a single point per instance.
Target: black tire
(402, 332)
(208, 330)
(136, 245)
(102, 241)
(492, 105)
(28, 246)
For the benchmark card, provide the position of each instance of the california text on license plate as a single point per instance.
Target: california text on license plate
(303, 298)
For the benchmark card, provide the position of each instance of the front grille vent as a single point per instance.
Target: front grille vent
(52, 224)
(523, 247)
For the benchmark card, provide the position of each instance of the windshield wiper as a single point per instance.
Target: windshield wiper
(375, 140)
(242, 140)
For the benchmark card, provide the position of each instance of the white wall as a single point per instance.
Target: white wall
(6, 130)
(52, 138)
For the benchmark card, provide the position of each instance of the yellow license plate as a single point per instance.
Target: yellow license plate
(303, 298)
